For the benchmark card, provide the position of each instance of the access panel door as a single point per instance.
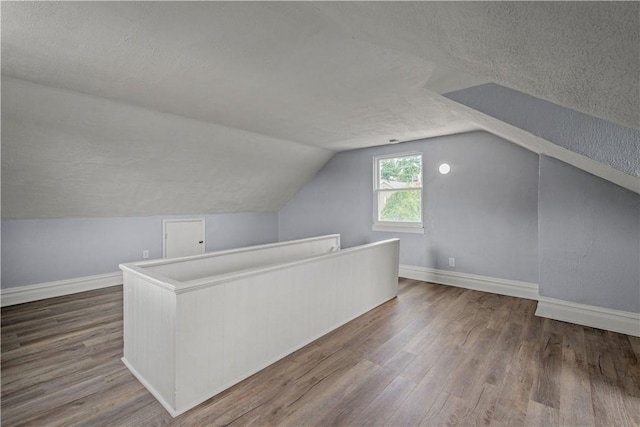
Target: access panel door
(183, 237)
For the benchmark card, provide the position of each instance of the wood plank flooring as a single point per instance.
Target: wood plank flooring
(436, 355)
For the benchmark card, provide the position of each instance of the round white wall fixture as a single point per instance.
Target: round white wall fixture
(444, 168)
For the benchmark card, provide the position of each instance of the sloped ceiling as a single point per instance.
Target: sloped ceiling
(232, 81)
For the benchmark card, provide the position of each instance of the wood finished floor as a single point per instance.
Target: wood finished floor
(436, 355)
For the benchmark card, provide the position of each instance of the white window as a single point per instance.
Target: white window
(397, 188)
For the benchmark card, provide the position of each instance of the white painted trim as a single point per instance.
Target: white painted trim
(581, 314)
(394, 226)
(608, 319)
(418, 229)
(28, 293)
(494, 285)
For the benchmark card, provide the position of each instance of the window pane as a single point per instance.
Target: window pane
(400, 206)
(400, 172)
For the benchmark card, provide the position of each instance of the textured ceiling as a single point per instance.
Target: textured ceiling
(338, 74)
(66, 154)
(258, 77)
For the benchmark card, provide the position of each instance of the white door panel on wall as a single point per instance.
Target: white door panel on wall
(183, 237)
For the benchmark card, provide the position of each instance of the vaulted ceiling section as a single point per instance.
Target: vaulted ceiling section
(142, 108)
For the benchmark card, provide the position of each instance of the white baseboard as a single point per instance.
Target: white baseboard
(597, 317)
(494, 285)
(588, 315)
(22, 294)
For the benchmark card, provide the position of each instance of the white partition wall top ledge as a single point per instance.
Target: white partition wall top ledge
(226, 252)
(161, 272)
(195, 284)
(192, 285)
(156, 279)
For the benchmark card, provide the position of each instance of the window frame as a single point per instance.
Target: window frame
(394, 226)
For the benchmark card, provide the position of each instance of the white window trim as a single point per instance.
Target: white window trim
(390, 226)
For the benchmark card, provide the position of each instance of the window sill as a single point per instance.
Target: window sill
(399, 228)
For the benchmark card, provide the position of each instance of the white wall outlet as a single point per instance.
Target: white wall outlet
(452, 262)
(145, 254)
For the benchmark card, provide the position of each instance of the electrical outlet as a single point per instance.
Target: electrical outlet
(145, 254)
(452, 262)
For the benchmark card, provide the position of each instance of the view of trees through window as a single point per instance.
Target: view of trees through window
(399, 188)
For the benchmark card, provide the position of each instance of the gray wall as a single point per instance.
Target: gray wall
(483, 213)
(586, 256)
(589, 235)
(598, 139)
(38, 251)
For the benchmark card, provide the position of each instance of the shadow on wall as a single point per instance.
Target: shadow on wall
(433, 258)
